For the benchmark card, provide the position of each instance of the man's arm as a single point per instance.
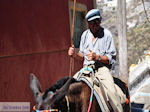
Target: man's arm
(73, 52)
(110, 48)
(103, 59)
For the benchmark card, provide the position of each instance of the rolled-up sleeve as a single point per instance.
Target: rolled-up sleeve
(110, 51)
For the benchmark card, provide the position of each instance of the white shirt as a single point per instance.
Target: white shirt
(101, 46)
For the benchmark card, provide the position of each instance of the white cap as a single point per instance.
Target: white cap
(93, 14)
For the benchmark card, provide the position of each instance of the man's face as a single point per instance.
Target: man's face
(94, 25)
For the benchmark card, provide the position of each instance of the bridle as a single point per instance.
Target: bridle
(50, 110)
(53, 110)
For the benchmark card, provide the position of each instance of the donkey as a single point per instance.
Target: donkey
(74, 96)
(78, 96)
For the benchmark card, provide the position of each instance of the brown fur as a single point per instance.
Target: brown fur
(79, 97)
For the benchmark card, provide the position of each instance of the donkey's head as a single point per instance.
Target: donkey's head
(41, 102)
(47, 100)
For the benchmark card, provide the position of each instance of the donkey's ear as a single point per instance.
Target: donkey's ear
(35, 85)
(60, 94)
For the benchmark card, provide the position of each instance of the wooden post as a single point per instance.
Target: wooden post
(94, 4)
(123, 67)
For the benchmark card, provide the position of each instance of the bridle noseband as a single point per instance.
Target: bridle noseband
(50, 110)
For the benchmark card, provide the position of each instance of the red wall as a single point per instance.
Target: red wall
(28, 26)
(34, 38)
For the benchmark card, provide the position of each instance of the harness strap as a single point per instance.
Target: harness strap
(91, 99)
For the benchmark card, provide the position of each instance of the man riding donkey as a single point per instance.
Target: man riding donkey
(98, 51)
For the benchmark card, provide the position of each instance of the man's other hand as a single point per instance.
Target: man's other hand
(71, 51)
(91, 56)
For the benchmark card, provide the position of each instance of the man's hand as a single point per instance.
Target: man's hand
(91, 56)
(71, 51)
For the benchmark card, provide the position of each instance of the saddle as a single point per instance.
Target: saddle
(87, 75)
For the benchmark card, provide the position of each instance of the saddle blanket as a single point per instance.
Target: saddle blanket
(87, 75)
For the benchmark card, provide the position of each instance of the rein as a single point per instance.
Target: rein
(91, 99)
